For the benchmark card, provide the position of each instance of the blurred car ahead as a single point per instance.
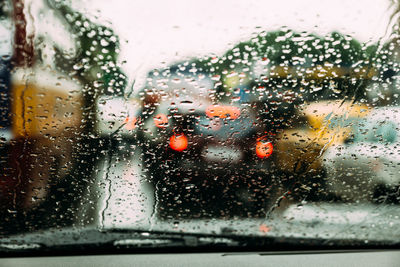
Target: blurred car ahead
(369, 160)
(299, 149)
(319, 126)
(203, 148)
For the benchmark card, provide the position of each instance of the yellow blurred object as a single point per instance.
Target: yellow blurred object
(324, 124)
(235, 79)
(44, 102)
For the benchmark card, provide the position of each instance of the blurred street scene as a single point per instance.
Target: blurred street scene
(282, 131)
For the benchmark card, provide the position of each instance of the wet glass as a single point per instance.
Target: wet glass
(270, 120)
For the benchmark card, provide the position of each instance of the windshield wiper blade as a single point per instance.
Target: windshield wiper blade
(171, 241)
(116, 238)
(15, 246)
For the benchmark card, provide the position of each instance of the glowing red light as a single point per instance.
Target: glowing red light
(264, 149)
(178, 142)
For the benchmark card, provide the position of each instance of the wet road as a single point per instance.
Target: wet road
(125, 199)
(111, 190)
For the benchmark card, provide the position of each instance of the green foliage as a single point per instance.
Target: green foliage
(98, 47)
(295, 60)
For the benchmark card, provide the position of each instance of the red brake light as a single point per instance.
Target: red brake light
(178, 142)
(264, 149)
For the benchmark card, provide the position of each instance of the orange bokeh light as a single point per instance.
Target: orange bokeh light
(264, 149)
(130, 123)
(178, 142)
(161, 120)
(223, 112)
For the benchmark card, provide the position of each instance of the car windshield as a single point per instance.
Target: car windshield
(199, 123)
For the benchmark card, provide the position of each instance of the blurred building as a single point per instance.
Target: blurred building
(40, 110)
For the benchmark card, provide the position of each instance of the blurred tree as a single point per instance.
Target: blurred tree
(303, 66)
(386, 57)
(297, 60)
(95, 64)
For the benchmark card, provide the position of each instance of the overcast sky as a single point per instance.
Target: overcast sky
(152, 32)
